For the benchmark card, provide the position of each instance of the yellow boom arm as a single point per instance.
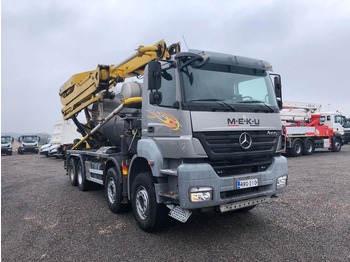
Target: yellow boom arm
(85, 88)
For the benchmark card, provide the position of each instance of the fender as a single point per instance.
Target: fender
(148, 158)
(114, 162)
(148, 149)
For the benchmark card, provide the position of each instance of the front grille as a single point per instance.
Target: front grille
(225, 144)
(241, 166)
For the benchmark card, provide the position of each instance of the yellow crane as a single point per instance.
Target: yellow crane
(83, 89)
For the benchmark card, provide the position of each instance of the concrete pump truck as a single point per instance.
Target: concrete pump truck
(203, 131)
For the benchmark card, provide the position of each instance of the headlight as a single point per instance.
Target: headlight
(200, 194)
(281, 144)
(281, 182)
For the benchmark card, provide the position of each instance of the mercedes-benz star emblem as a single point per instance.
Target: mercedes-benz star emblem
(245, 140)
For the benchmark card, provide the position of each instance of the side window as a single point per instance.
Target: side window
(337, 119)
(168, 88)
(328, 118)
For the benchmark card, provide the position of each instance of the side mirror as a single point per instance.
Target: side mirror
(12, 139)
(278, 90)
(20, 139)
(38, 138)
(154, 75)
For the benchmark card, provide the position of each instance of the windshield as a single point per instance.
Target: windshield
(5, 139)
(230, 88)
(29, 139)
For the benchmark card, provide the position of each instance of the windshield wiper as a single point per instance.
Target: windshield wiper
(205, 99)
(259, 102)
(223, 103)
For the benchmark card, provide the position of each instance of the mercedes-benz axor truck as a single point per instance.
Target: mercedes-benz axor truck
(202, 131)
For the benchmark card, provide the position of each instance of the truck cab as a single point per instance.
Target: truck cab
(28, 143)
(6, 145)
(335, 121)
(212, 128)
(346, 127)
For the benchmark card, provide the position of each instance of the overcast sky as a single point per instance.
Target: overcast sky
(44, 42)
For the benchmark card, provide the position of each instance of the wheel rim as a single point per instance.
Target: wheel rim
(79, 174)
(337, 145)
(111, 189)
(297, 148)
(142, 202)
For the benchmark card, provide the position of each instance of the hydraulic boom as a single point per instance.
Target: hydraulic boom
(83, 89)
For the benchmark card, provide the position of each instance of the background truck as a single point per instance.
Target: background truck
(6, 145)
(203, 131)
(307, 129)
(346, 127)
(28, 143)
(63, 136)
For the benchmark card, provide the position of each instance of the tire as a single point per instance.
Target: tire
(113, 191)
(10, 153)
(81, 178)
(72, 171)
(336, 145)
(20, 152)
(297, 148)
(148, 213)
(309, 147)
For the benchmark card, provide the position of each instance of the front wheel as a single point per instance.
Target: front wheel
(113, 191)
(336, 145)
(148, 213)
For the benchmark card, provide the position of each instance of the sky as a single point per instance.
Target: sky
(45, 42)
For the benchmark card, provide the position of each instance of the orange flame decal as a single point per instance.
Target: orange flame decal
(166, 119)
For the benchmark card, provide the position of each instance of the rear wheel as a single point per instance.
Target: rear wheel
(113, 190)
(148, 213)
(82, 182)
(297, 148)
(309, 147)
(72, 171)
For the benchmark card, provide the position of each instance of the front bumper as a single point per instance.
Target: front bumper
(6, 150)
(45, 153)
(29, 149)
(225, 189)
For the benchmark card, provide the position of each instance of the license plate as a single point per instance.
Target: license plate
(247, 183)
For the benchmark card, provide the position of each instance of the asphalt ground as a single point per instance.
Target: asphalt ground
(44, 218)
